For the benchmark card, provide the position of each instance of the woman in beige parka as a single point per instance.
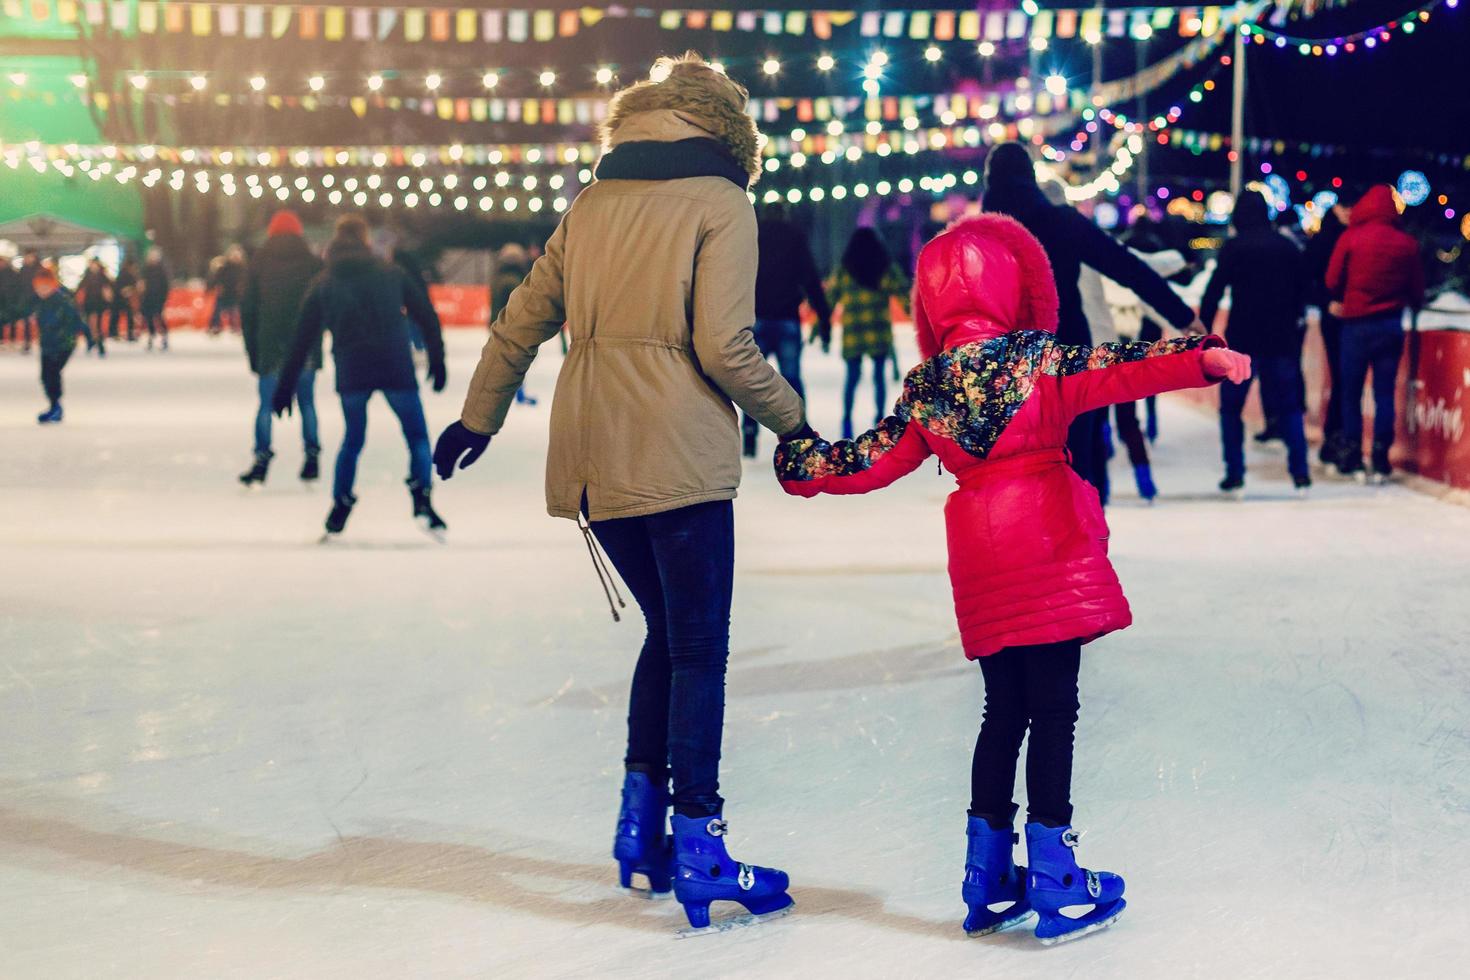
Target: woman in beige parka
(653, 272)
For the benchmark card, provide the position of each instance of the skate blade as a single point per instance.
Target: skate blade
(1233, 494)
(646, 894)
(437, 534)
(1025, 916)
(329, 537)
(1086, 930)
(734, 922)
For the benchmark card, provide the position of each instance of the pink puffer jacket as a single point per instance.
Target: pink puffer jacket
(1027, 539)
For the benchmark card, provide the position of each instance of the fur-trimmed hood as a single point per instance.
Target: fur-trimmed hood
(698, 97)
(983, 277)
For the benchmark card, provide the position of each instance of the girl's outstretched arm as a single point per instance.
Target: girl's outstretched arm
(878, 457)
(1092, 377)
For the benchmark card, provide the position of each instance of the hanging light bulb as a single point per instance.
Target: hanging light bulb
(604, 75)
(316, 83)
(986, 49)
(17, 78)
(932, 53)
(432, 81)
(1056, 84)
(547, 78)
(826, 63)
(198, 82)
(490, 79)
(257, 83)
(139, 81)
(80, 81)
(771, 66)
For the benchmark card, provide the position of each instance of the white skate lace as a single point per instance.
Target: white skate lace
(717, 828)
(1071, 837)
(746, 877)
(1094, 886)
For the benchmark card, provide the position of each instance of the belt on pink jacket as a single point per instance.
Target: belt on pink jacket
(1017, 465)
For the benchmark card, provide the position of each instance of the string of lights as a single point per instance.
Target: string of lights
(1358, 41)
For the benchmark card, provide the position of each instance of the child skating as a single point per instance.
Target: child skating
(1027, 538)
(59, 323)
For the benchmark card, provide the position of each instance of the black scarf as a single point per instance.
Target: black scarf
(655, 160)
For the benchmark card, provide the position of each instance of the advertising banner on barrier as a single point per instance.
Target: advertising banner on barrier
(189, 308)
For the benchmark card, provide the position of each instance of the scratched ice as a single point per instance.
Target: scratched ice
(230, 752)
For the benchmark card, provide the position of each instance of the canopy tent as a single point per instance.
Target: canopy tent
(50, 207)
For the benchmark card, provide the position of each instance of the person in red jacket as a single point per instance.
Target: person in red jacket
(1373, 275)
(1027, 538)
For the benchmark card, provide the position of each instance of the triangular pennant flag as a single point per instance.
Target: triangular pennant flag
(796, 22)
(1041, 24)
(517, 25)
(280, 21)
(362, 24)
(893, 23)
(173, 19)
(228, 20)
(413, 25)
(721, 20)
(696, 20)
(773, 22)
(543, 25)
(309, 23)
(122, 16)
(387, 20)
(869, 26)
(920, 22)
(944, 25)
(358, 105)
(438, 25)
(568, 23)
(1066, 23)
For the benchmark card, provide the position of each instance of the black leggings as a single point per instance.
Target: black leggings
(1036, 687)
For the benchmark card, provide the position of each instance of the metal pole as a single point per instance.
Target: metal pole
(1140, 166)
(1237, 113)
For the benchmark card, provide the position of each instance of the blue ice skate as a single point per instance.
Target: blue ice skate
(51, 415)
(1056, 882)
(642, 844)
(992, 878)
(1143, 475)
(704, 873)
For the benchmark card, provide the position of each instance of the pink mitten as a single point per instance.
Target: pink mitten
(1223, 364)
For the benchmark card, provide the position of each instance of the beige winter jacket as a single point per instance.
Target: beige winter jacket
(655, 281)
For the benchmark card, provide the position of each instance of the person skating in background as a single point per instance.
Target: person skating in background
(227, 280)
(275, 284)
(1071, 241)
(786, 274)
(58, 323)
(406, 260)
(13, 296)
(653, 272)
(124, 296)
(512, 265)
(1374, 275)
(1263, 271)
(95, 291)
(1316, 256)
(155, 297)
(30, 267)
(361, 300)
(1027, 538)
(861, 291)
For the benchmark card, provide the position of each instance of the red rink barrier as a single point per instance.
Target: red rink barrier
(189, 308)
(1433, 402)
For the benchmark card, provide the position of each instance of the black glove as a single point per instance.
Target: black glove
(454, 442)
(281, 401)
(804, 432)
(438, 374)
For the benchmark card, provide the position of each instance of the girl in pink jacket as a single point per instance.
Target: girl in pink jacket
(1027, 538)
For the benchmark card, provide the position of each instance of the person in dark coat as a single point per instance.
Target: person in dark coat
(785, 275)
(155, 296)
(361, 299)
(1314, 269)
(95, 291)
(227, 278)
(1263, 271)
(512, 265)
(58, 323)
(276, 282)
(124, 295)
(1070, 242)
(25, 295)
(1374, 275)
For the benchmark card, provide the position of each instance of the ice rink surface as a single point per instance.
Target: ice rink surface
(229, 751)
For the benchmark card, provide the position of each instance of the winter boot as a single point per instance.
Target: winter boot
(51, 415)
(642, 845)
(337, 518)
(1143, 475)
(1382, 469)
(1302, 482)
(704, 873)
(256, 473)
(310, 467)
(992, 878)
(1056, 882)
(423, 512)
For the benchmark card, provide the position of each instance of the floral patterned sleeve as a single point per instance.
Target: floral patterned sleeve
(1107, 374)
(878, 457)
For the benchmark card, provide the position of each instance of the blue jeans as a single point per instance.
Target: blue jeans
(305, 404)
(1375, 342)
(680, 567)
(854, 378)
(781, 338)
(1282, 394)
(410, 411)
